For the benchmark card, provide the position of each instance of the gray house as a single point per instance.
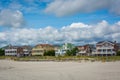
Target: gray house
(17, 50)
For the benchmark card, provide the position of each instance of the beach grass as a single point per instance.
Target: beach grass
(63, 58)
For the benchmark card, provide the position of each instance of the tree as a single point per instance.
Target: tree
(1, 52)
(68, 53)
(72, 52)
(49, 53)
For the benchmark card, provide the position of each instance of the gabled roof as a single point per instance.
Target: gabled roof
(44, 45)
(12, 47)
(104, 42)
(84, 46)
(26, 47)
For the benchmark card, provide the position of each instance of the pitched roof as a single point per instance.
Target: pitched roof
(12, 47)
(26, 47)
(44, 45)
(105, 41)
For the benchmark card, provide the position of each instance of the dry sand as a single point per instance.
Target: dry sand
(12, 70)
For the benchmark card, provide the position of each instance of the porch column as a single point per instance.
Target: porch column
(102, 52)
(111, 52)
(106, 51)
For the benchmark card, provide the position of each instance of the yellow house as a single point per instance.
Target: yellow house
(40, 49)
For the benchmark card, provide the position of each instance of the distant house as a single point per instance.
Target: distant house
(40, 49)
(17, 51)
(27, 50)
(13, 51)
(84, 50)
(62, 50)
(20, 52)
(105, 48)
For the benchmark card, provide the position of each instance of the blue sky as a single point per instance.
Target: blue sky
(42, 20)
(73, 21)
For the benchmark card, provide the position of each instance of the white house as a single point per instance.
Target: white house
(105, 48)
(11, 51)
(62, 50)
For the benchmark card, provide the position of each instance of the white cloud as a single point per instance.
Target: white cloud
(11, 18)
(68, 7)
(2, 36)
(76, 33)
(78, 25)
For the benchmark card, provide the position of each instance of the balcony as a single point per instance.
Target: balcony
(105, 47)
(110, 52)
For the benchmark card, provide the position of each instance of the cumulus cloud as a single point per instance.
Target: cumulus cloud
(11, 18)
(68, 7)
(77, 33)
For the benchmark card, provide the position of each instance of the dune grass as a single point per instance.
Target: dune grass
(63, 58)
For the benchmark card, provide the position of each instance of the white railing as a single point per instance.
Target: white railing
(112, 52)
(104, 47)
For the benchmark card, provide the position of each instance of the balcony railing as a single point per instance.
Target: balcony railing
(104, 47)
(112, 52)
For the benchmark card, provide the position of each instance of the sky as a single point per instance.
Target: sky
(31, 22)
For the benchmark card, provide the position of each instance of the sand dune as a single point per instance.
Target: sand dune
(12, 70)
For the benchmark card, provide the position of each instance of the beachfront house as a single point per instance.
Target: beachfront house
(105, 48)
(40, 49)
(17, 50)
(11, 50)
(27, 50)
(83, 50)
(62, 49)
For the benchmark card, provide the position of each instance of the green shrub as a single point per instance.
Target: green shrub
(71, 52)
(49, 53)
(1, 52)
(118, 53)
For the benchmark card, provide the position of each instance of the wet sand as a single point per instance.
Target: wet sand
(12, 70)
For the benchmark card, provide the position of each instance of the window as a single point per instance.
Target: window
(99, 50)
(104, 50)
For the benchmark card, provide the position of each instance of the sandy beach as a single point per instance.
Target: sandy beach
(13, 70)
